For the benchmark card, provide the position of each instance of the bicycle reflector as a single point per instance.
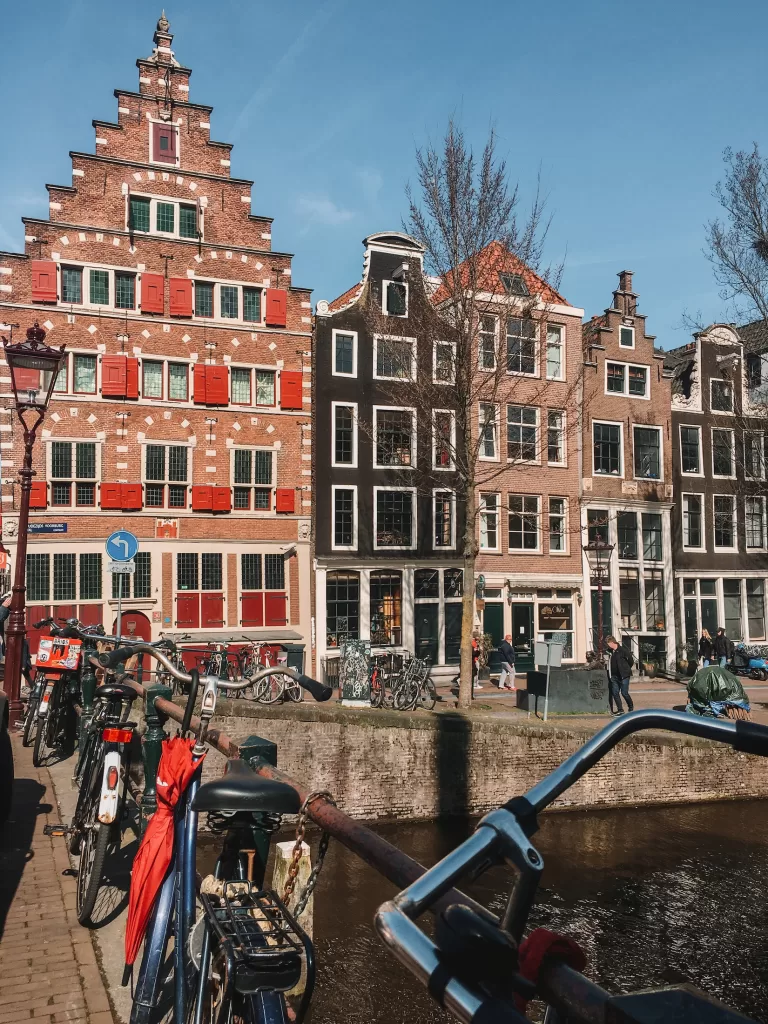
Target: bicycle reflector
(112, 776)
(113, 735)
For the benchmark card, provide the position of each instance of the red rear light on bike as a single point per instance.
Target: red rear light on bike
(113, 735)
(112, 777)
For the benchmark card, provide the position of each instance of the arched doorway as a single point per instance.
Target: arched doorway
(136, 624)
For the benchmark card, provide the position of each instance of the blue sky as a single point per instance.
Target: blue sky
(625, 108)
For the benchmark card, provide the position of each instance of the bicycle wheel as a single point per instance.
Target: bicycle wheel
(406, 695)
(427, 695)
(30, 720)
(93, 853)
(270, 689)
(377, 690)
(47, 731)
(293, 690)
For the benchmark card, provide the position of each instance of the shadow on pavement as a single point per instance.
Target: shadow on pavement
(16, 839)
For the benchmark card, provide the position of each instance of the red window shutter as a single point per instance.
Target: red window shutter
(38, 496)
(202, 498)
(252, 610)
(200, 381)
(164, 143)
(277, 305)
(131, 377)
(290, 389)
(113, 376)
(275, 609)
(285, 499)
(222, 499)
(180, 296)
(188, 610)
(152, 293)
(211, 610)
(111, 496)
(216, 385)
(91, 614)
(130, 496)
(43, 281)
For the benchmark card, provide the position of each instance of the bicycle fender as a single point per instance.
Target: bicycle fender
(110, 787)
(43, 708)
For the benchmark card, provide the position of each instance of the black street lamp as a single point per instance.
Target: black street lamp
(598, 553)
(34, 368)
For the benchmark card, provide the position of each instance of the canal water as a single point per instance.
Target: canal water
(653, 896)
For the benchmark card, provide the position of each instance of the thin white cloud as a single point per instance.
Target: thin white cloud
(320, 209)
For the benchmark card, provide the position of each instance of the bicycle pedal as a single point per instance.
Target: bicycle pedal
(57, 830)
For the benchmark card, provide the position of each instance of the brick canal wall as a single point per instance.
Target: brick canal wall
(381, 764)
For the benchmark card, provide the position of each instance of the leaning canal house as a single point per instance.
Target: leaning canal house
(385, 541)
(183, 410)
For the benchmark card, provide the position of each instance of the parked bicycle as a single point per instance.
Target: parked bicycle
(176, 657)
(237, 957)
(50, 724)
(403, 689)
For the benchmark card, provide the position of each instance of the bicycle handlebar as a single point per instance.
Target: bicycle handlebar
(504, 834)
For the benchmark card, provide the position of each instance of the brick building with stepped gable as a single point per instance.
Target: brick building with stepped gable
(183, 410)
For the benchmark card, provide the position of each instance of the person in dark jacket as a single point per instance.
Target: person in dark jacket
(706, 648)
(507, 653)
(618, 675)
(26, 661)
(723, 648)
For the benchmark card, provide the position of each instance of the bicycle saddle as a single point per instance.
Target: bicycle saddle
(241, 789)
(110, 690)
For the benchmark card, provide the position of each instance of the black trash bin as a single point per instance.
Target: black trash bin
(295, 654)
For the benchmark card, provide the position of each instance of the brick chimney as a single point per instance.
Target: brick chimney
(624, 299)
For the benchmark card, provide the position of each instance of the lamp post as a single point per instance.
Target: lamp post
(598, 553)
(34, 367)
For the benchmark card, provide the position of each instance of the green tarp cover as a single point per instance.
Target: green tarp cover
(715, 685)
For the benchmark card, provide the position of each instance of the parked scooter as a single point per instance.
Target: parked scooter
(750, 661)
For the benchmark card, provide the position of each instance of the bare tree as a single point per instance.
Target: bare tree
(482, 258)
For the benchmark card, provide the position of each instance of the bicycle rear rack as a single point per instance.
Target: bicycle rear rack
(264, 945)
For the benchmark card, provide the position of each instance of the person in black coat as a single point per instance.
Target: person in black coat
(507, 654)
(706, 648)
(618, 675)
(723, 648)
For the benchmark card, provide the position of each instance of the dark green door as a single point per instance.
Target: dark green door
(493, 623)
(522, 636)
(426, 632)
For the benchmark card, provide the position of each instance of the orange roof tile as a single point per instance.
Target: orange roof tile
(493, 260)
(347, 298)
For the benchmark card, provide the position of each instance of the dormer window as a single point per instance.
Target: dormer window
(627, 337)
(395, 298)
(513, 284)
(164, 144)
(721, 395)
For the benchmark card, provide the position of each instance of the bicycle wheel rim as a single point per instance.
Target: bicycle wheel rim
(270, 689)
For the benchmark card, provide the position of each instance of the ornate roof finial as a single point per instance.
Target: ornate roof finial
(163, 24)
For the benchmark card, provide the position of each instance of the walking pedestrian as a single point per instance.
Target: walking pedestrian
(723, 648)
(476, 662)
(26, 661)
(507, 653)
(706, 648)
(618, 675)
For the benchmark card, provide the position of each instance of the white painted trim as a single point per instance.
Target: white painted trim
(353, 407)
(722, 412)
(395, 337)
(660, 431)
(761, 435)
(563, 355)
(538, 550)
(452, 545)
(537, 441)
(272, 487)
(609, 423)
(452, 442)
(217, 318)
(761, 499)
(480, 332)
(334, 545)
(566, 516)
(166, 124)
(154, 199)
(414, 428)
(536, 348)
(384, 288)
(697, 427)
(414, 520)
(564, 439)
(626, 327)
(497, 512)
(734, 520)
(496, 444)
(452, 346)
(732, 432)
(73, 480)
(353, 335)
(625, 393)
(702, 500)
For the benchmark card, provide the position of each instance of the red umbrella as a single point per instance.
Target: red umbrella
(176, 768)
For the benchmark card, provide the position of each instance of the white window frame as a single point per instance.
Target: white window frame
(166, 482)
(85, 296)
(626, 327)
(525, 551)
(384, 287)
(48, 442)
(154, 199)
(734, 522)
(482, 511)
(451, 468)
(480, 332)
(536, 348)
(165, 124)
(566, 517)
(696, 427)
(761, 499)
(414, 520)
(625, 393)
(252, 510)
(480, 423)
(754, 434)
(70, 392)
(452, 346)
(703, 503)
(722, 412)
(564, 435)
(660, 431)
(353, 335)
(536, 461)
(226, 320)
(452, 545)
(414, 428)
(560, 328)
(732, 474)
(609, 423)
(394, 337)
(353, 407)
(334, 545)
(163, 373)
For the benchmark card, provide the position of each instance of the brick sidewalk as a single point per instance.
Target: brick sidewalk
(48, 969)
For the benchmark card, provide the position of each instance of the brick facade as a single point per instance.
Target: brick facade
(183, 329)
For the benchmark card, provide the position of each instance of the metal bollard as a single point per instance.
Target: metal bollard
(152, 748)
(253, 750)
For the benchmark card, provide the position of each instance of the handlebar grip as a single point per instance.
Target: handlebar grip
(193, 687)
(41, 623)
(318, 690)
(113, 658)
(751, 738)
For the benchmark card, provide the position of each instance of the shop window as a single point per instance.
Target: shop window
(426, 583)
(655, 616)
(756, 609)
(629, 595)
(342, 607)
(732, 609)
(386, 608)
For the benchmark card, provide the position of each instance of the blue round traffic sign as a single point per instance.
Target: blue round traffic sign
(122, 546)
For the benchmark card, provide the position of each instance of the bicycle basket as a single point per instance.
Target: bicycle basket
(59, 652)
